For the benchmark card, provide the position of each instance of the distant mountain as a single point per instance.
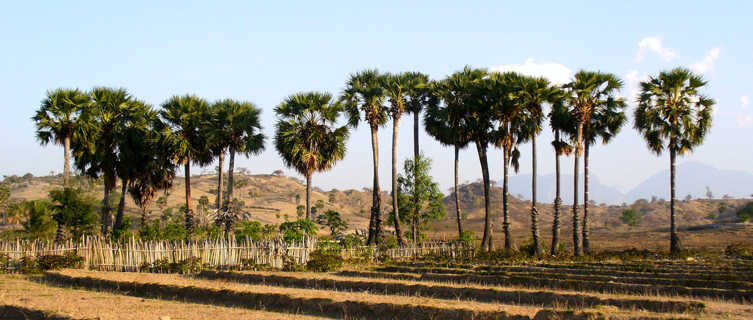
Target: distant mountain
(545, 185)
(693, 178)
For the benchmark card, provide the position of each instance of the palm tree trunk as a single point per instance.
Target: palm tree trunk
(557, 199)
(60, 233)
(485, 176)
(229, 202)
(505, 191)
(219, 179)
(586, 245)
(534, 212)
(674, 242)
(143, 217)
(395, 207)
(576, 172)
(67, 161)
(308, 196)
(375, 219)
(457, 197)
(121, 205)
(230, 178)
(189, 212)
(106, 211)
(415, 190)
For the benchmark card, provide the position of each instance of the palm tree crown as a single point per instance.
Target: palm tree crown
(57, 120)
(307, 137)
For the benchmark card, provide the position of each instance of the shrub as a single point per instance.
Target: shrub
(289, 264)
(746, 212)
(55, 262)
(630, 217)
(739, 250)
(323, 260)
(468, 238)
(27, 265)
(352, 240)
(185, 266)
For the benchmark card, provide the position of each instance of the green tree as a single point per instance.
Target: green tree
(446, 123)
(606, 120)
(416, 180)
(39, 223)
(108, 124)
(294, 231)
(4, 197)
(561, 122)
(583, 95)
(630, 217)
(532, 93)
(186, 117)
(332, 220)
(252, 230)
(243, 131)
(307, 136)
(365, 95)
(673, 115)
(499, 92)
(57, 120)
(73, 211)
(745, 213)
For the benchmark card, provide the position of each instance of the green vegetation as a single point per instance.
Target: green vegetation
(420, 197)
(630, 217)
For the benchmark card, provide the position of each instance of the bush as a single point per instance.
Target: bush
(289, 264)
(185, 266)
(351, 241)
(56, 262)
(468, 238)
(630, 217)
(323, 260)
(746, 212)
(739, 250)
(27, 265)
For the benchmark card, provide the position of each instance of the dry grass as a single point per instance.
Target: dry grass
(476, 292)
(27, 292)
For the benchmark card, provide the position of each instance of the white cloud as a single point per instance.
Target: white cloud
(707, 64)
(555, 72)
(744, 120)
(744, 102)
(633, 87)
(653, 44)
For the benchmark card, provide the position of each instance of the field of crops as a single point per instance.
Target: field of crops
(645, 290)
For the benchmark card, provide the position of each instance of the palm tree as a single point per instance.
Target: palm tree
(447, 125)
(134, 153)
(105, 125)
(672, 114)
(561, 122)
(420, 96)
(307, 137)
(364, 94)
(510, 113)
(157, 170)
(396, 88)
(532, 93)
(243, 132)
(606, 120)
(587, 91)
(470, 87)
(219, 143)
(186, 117)
(57, 120)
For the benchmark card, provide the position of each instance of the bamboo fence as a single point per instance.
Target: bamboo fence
(101, 254)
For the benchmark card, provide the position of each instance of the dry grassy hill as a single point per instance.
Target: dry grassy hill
(269, 198)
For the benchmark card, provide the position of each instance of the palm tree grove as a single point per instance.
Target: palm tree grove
(223, 161)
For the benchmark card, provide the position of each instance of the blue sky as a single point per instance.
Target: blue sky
(265, 51)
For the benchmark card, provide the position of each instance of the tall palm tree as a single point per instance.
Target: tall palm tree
(307, 136)
(364, 94)
(561, 122)
(97, 152)
(532, 93)
(672, 114)
(420, 96)
(134, 153)
(606, 120)
(396, 88)
(219, 141)
(186, 117)
(57, 120)
(446, 123)
(471, 92)
(587, 90)
(243, 132)
(157, 171)
(510, 113)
